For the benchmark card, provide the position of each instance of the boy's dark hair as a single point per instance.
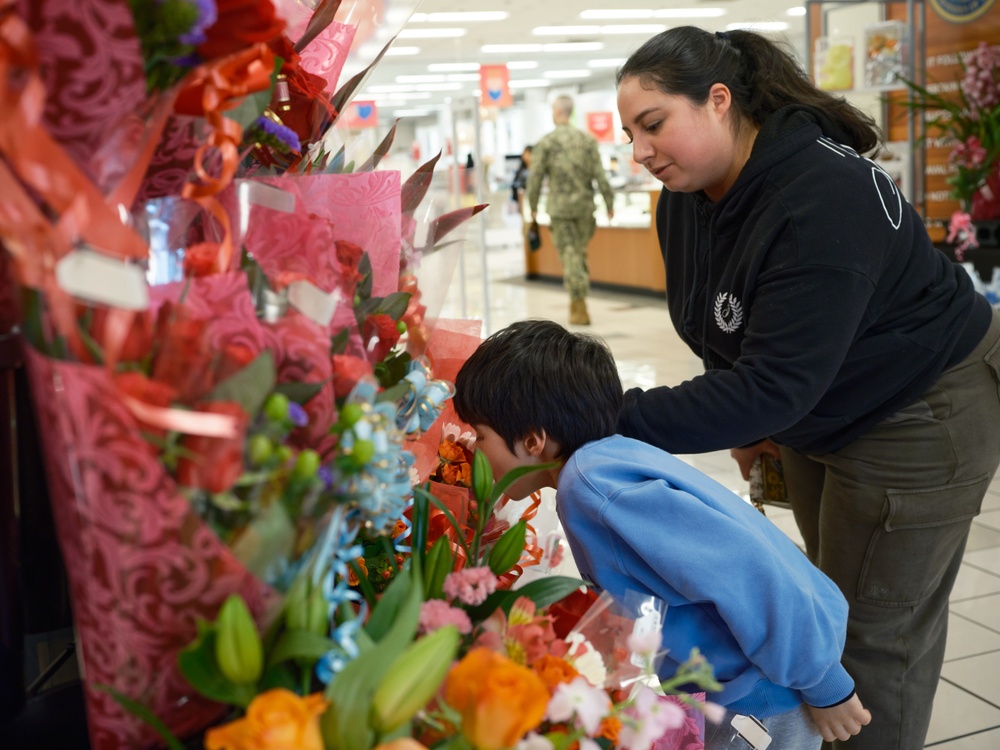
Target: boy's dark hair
(534, 375)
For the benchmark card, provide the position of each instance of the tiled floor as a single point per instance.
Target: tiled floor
(967, 708)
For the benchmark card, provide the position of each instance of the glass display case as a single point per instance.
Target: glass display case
(624, 253)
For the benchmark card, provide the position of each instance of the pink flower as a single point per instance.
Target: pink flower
(436, 613)
(648, 719)
(470, 585)
(960, 229)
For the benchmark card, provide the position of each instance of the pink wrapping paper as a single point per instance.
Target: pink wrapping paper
(691, 736)
(142, 566)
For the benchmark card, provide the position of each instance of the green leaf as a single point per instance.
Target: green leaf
(197, 664)
(542, 591)
(346, 92)
(299, 644)
(248, 387)
(390, 374)
(347, 725)
(279, 676)
(394, 305)
(513, 475)
(393, 600)
(482, 478)
(508, 548)
(440, 562)
(140, 711)
(338, 342)
(299, 392)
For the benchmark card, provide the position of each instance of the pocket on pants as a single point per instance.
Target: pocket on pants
(913, 547)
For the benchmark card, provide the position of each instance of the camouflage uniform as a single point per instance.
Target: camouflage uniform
(570, 159)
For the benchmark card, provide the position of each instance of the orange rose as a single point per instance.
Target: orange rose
(352, 577)
(554, 671)
(453, 452)
(275, 720)
(499, 701)
(610, 727)
(459, 474)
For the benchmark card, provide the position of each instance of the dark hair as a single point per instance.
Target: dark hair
(762, 76)
(534, 375)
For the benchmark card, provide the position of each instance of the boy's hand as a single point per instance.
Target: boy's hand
(843, 721)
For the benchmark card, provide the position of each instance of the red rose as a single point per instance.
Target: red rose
(202, 259)
(185, 357)
(103, 323)
(213, 464)
(240, 24)
(382, 330)
(349, 256)
(347, 371)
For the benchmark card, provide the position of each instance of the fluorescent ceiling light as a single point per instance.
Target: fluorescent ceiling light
(399, 97)
(413, 112)
(567, 30)
(460, 17)
(573, 47)
(389, 88)
(757, 26)
(421, 79)
(462, 77)
(636, 28)
(452, 67)
(529, 83)
(437, 87)
(566, 74)
(798, 10)
(401, 51)
(636, 14)
(607, 62)
(522, 65)
(430, 33)
(490, 49)
(690, 13)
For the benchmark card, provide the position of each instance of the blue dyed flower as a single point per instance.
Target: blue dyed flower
(425, 400)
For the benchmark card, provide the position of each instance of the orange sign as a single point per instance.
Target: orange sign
(362, 115)
(601, 125)
(494, 86)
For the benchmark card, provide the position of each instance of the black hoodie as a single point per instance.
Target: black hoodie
(813, 295)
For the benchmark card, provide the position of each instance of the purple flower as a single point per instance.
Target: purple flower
(207, 16)
(284, 135)
(297, 414)
(326, 476)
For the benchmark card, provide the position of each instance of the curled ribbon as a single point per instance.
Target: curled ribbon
(209, 90)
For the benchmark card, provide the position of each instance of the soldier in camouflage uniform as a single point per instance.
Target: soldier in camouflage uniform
(570, 160)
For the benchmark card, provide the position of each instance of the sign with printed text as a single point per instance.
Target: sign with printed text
(362, 115)
(494, 85)
(601, 125)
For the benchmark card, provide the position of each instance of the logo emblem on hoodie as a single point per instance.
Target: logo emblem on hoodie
(728, 312)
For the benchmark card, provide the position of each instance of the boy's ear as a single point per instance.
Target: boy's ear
(534, 442)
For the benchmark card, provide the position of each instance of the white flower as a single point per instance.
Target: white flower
(586, 659)
(714, 712)
(589, 704)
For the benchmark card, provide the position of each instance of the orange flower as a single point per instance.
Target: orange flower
(276, 720)
(453, 452)
(458, 474)
(610, 727)
(554, 671)
(352, 577)
(499, 701)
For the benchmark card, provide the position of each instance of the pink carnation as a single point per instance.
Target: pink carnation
(470, 585)
(437, 613)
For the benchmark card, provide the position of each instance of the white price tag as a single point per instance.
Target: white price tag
(752, 731)
(313, 302)
(99, 278)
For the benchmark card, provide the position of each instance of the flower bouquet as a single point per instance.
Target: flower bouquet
(971, 121)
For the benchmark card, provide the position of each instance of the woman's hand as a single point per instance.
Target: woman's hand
(841, 722)
(746, 456)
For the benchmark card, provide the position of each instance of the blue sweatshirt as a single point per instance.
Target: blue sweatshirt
(770, 623)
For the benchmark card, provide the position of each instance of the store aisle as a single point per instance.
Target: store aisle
(967, 708)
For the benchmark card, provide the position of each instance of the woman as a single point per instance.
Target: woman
(833, 334)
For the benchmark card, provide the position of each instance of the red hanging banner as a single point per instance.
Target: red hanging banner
(494, 85)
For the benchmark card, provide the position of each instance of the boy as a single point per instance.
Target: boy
(639, 519)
